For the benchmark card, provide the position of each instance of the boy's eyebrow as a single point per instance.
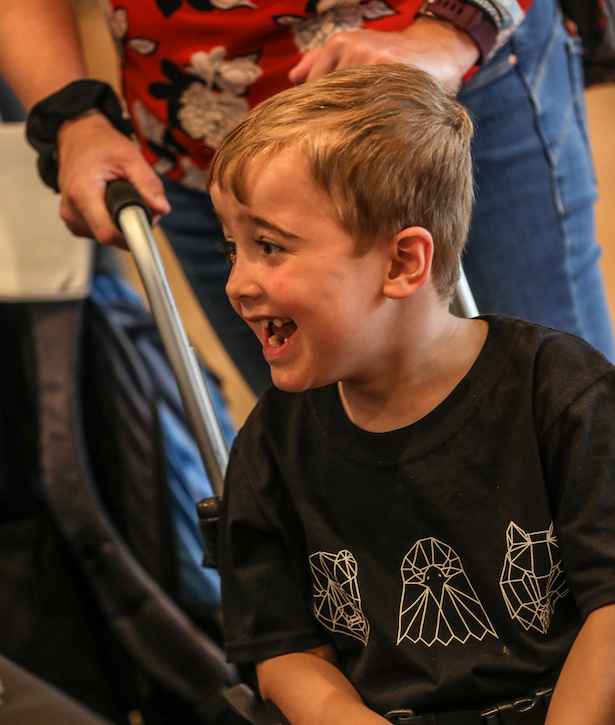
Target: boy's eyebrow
(258, 221)
(273, 227)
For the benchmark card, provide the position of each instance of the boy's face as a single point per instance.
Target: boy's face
(295, 280)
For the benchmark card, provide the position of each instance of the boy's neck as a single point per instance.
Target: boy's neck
(420, 377)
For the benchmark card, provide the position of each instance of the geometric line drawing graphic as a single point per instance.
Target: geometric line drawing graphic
(337, 602)
(438, 602)
(532, 579)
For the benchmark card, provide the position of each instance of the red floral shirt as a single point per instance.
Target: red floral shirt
(193, 68)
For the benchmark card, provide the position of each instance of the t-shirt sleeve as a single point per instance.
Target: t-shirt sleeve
(579, 453)
(265, 601)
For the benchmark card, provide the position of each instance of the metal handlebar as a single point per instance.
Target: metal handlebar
(132, 216)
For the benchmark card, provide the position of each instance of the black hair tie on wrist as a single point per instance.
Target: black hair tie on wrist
(47, 116)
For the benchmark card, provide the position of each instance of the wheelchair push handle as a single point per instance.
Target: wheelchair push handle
(132, 216)
(120, 194)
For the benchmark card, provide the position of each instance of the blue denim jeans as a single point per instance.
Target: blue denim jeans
(532, 251)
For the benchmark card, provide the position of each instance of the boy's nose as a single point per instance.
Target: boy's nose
(241, 283)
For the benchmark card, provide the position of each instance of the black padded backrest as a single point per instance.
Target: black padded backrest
(151, 626)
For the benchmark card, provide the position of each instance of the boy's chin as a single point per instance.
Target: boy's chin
(290, 385)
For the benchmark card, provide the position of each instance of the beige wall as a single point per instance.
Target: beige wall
(601, 115)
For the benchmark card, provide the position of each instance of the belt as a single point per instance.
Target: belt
(530, 710)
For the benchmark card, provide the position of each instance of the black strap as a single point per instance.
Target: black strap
(462, 717)
(530, 710)
(47, 116)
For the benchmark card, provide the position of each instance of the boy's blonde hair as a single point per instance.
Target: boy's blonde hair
(388, 144)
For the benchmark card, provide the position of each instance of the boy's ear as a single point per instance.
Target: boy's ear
(411, 253)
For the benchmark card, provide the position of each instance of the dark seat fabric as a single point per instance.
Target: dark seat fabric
(88, 573)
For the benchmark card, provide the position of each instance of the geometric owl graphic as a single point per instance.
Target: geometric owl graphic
(532, 578)
(438, 602)
(337, 602)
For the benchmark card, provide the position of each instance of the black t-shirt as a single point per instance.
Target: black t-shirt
(450, 563)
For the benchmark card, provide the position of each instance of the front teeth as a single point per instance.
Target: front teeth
(277, 322)
(275, 340)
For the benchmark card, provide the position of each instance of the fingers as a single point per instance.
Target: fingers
(444, 52)
(338, 52)
(92, 153)
(346, 50)
(150, 187)
(84, 212)
(300, 73)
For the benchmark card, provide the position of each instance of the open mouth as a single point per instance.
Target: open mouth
(279, 330)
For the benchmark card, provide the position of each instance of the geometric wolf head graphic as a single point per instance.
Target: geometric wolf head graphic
(532, 579)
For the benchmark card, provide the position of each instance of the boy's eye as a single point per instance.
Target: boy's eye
(229, 249)
(270, 247)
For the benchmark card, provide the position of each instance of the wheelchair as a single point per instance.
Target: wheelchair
(132, 217)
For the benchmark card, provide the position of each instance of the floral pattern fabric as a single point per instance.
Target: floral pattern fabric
(192, 68)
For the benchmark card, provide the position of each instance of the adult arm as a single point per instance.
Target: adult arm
(585, 691)
(40, 53)
(39, 47)
(308, 688)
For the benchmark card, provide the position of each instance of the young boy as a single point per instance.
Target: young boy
(420, 517)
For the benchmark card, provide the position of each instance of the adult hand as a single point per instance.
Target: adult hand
(433, 45)
(91, 153)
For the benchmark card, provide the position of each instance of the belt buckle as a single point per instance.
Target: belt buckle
(524, 711)
(400, 717)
